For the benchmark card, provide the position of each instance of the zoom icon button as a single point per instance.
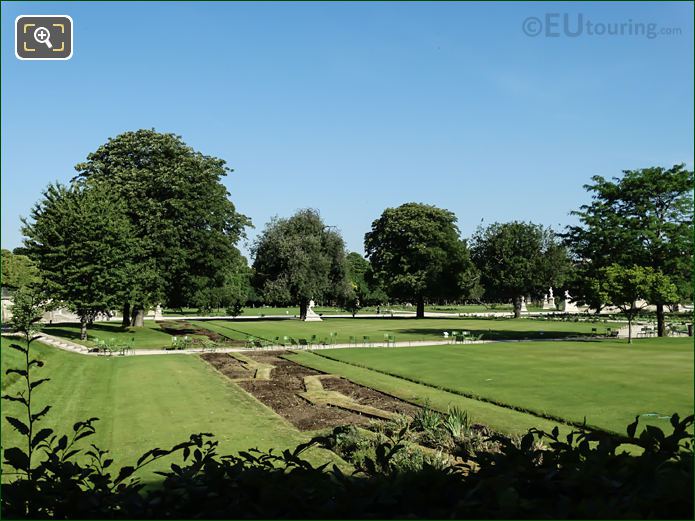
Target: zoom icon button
(43, 37)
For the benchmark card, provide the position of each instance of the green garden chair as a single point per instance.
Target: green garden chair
(313, 340)
(303, 343)
(365, 341)
(353, 341)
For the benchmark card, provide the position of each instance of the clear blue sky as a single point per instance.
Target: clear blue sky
(354, 107)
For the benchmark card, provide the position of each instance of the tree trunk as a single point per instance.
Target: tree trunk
(420, 312)
(83, 328)
(660, 320)
(303, 306)
(517, 307)
(629, 330)
(138, 317)
(126, 315)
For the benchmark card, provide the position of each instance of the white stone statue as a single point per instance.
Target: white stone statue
(550, 293)
(567, 295)
(311, 315)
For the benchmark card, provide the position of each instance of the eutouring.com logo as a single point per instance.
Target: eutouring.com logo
(556, 25)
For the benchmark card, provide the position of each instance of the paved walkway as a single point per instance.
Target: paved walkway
(67, 345)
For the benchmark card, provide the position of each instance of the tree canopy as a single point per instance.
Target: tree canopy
(518, 259)
(643, 218)
(18, 271)
(185, 226)
(626, 287)
(417, 253)
(81, 239)
(298, 259)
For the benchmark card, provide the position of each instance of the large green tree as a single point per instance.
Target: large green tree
(18, 271)
(185, 226)
(417, 253)
(628, 287)
(518, 259)
(643, 218)
(367, 291)
(299, 259)
(81, 240)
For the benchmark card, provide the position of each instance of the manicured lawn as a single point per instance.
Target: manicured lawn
(606, 382)
(403, 328)
(148, 337)
(146, 402)
(499, 418)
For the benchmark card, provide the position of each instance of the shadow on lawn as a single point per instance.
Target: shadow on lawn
(60, 329)
(489, 334)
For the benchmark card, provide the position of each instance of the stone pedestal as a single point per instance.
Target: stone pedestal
(524, 309)
(549, 304)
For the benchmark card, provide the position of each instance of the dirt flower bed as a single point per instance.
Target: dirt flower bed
(367, 396)
(228, 366)
(280, 393)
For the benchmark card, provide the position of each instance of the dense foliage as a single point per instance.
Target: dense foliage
(517, 260)
(299, 259)
(644, 218)
(417, 253)
(82, 240)
(18, 270)
(629, 288)
(184, 225)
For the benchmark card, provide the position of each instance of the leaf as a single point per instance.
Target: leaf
(18, 398)
(40, 436)
(632, 428)
(18, 425)
(17, 459)
(124, 473)
(20, 372)
(19, 348)
(32, 385)
(36, 362)
(42, 412)
(674, 420)
(62, 443)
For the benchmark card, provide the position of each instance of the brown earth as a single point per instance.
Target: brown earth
(366, 396)
(287, 379)
(230, 367)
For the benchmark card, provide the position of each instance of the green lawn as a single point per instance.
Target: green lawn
(147, 402)
(403, 328)
(148, 337)
(499, 418)
(608, 382)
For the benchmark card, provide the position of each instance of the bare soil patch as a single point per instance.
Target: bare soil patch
(280, 393)
(227, 365)
(366, 396)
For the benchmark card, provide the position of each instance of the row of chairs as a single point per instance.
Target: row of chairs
(315, 340)
(111, 347)
(461, 337)
(608, 333)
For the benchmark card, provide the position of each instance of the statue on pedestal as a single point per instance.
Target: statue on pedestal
(311, 315)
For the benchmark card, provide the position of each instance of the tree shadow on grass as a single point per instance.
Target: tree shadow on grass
(489, 334)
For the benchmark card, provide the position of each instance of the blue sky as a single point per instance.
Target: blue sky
(354, 107)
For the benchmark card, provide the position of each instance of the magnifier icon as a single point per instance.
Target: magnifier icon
(43, 35)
